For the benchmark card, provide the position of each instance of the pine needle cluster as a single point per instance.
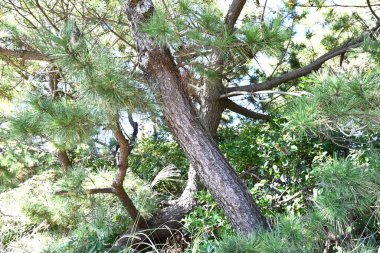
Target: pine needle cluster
(345, 103)
(100, 76)
(65, 123)
(346, 191)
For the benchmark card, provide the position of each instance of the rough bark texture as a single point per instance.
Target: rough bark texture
(64, 159)
(210, 111)
(211, 107)
(213, 169)
(233, 13)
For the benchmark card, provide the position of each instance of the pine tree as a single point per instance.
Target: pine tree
(194, 59)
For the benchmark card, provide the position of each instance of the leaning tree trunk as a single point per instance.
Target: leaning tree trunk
(209, 114)
(214, 171)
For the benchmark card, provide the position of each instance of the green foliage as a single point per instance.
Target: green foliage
(103, 218)
(65, 123)
(373, 48)
(343, 103)
(346, 191)
(101, 76)
(9, 77)
(289, 235)
(207, 220)
(342, 27)
(313, 205)
(72, 180)
(74, 223)
(19, 161)
(268, 37)
(94, 234)
(80, 179)
(160, 28)
(152, 154)
(274, 163)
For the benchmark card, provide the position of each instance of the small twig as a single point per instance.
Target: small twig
(262, 14)
(290, 198)
(7, 215)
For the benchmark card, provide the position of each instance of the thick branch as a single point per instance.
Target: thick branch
(244, 111)
(117, 184)
(292, 75)
(233, 13)
(23, 54)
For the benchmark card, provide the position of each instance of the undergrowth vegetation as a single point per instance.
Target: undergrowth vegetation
(316, 195)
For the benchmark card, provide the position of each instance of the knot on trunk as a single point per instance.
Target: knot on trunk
(144, 7)
(144, 59)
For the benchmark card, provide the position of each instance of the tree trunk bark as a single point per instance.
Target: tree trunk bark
(213, 169)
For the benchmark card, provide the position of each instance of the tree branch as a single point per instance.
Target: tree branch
(117, 184)
(23, 54)
(244, 111)
(46, 16)
(262, 14)
(133, 138)
(290, 198)
(372, 11)
(6, 215)
(86, 192)
(275, 92)
(292, 75)
(233, 13)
